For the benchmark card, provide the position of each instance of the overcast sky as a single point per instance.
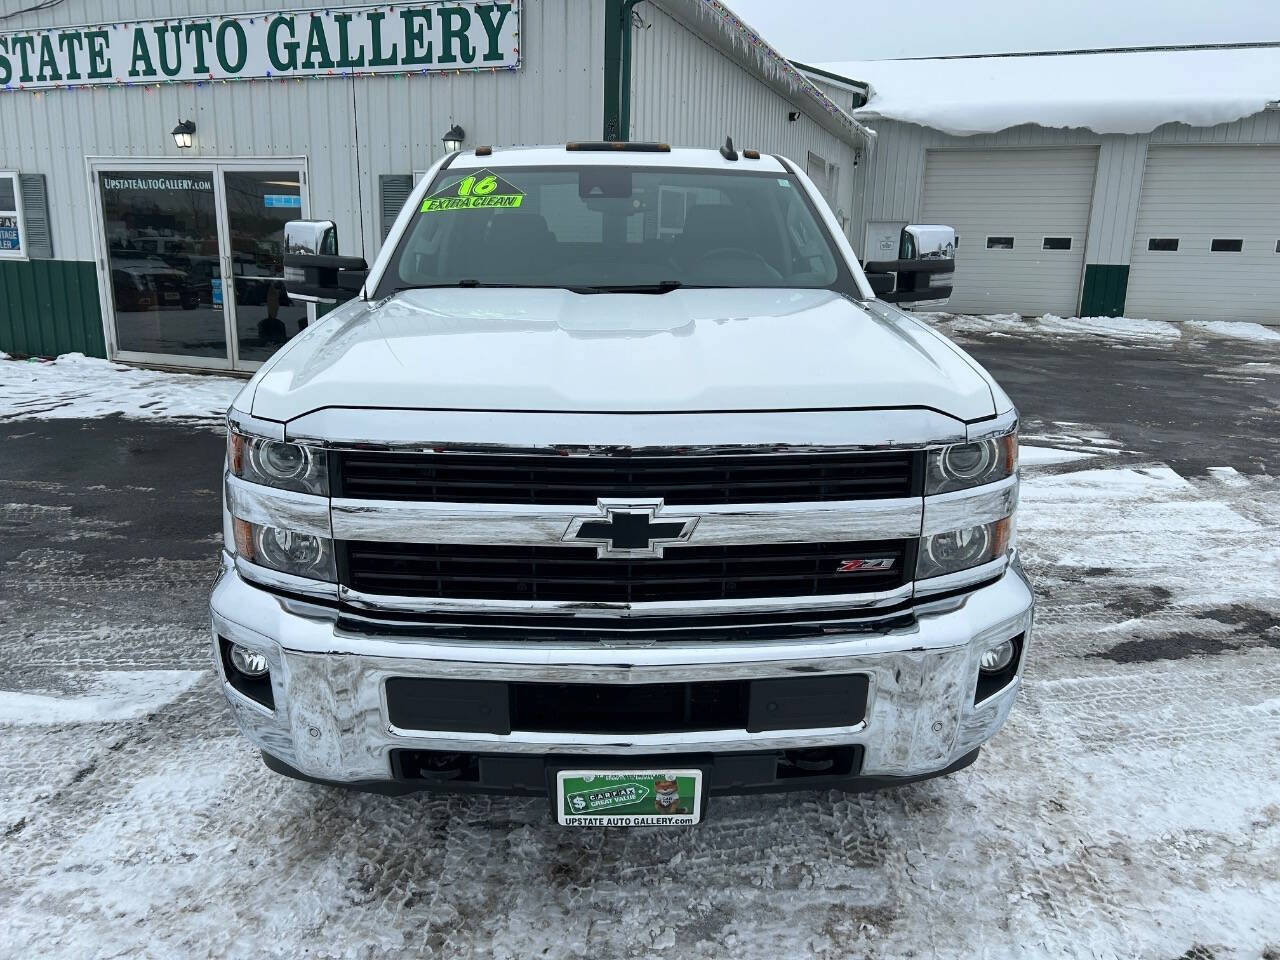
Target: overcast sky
(831, 30)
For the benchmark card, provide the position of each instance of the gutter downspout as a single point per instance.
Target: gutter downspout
(617, 68)
(627, 7)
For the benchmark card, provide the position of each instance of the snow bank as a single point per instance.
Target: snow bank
(1103, 92)
(1132, 328)
(75, 386)
(1238, 330)
(1116, 326)
(1031, 456)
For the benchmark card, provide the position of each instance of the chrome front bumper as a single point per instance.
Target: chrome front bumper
(331, 722)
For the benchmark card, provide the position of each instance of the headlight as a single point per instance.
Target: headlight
(275, 463)
(957, 550)
(963, 465)
(298, 554)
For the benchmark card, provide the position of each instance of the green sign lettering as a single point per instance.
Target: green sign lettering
(288, 60)
(48, 60)
(361, 39)
(493, 30)
(317, 44)
(70, 44)
(416, 23)
(242, 46)
(200, 32)
(376, 57)
(162, 36)
(141, 55)
(454, 25)
(99, 63)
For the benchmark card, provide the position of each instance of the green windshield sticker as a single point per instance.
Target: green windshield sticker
(475, 191)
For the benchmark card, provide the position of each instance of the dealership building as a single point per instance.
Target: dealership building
(148, 163)
(1136, 182)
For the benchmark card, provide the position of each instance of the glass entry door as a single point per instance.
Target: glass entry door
(259, 204)
(191, 269)
(163, 263)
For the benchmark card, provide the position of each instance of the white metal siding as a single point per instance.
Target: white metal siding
(1196, 194)
(888, 187)
(687, 93)
(397, 121)
(1024, 194)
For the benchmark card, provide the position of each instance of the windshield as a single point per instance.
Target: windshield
(609, 228)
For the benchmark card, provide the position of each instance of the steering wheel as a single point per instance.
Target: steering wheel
(741, 253)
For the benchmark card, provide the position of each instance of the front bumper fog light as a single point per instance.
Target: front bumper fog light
(994, 659)
(247, 662)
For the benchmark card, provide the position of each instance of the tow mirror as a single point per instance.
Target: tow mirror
(313, 271)
(922, 274)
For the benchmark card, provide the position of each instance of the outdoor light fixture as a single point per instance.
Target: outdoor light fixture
(183, 133)
(453, 139)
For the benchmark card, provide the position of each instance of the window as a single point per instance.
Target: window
(1163, 244)
(999, 243)
(12, 229)
(1056, 243)
(603, 228)
(1220, 245)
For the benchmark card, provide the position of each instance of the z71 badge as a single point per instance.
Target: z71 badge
(862, 564)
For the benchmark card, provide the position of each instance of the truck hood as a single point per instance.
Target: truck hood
(556, 350)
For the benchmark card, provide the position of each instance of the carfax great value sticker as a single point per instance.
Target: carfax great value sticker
(475, 191)
(628, 798)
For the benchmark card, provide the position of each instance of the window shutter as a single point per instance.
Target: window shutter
(393, 190)
(35, 214)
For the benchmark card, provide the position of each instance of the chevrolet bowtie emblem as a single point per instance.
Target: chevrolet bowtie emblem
(632, 529)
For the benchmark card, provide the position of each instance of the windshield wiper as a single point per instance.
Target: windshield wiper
(662, 286)
(466, 283)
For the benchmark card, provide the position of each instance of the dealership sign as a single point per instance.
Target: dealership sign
(396, 38)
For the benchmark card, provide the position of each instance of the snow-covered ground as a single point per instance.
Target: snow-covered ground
(78, 386)
(1119, 328)
(1131, 807)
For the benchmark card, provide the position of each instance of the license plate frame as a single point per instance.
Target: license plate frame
(602, 796)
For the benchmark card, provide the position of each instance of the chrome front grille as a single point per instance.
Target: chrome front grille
(576, 574)
(580, 480)
(789, 530)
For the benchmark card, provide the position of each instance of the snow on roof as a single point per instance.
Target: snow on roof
(1113, 92)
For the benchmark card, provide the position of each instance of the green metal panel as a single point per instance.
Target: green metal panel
(49, 307)
(1105, 286)
(613, 70)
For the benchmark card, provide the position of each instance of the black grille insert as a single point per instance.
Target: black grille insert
(498, 707)
(465, 571)
(765, 478)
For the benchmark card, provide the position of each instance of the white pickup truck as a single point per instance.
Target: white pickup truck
(616, 484)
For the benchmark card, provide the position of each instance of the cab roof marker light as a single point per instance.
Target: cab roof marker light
(751, 154)
(484, 151)
(598, 146)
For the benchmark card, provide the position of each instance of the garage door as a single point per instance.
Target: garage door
(1021, 216)
(1207, 244)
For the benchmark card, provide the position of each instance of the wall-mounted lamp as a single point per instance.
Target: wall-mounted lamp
(183, 133)
(453, 139)
(793, 115)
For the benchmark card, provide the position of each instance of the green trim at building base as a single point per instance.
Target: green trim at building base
(1105, 287)
(50, 307)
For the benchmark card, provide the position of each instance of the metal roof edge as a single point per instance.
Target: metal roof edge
(722, 29)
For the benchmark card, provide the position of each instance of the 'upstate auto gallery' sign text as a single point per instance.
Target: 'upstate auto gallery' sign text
(386, 38)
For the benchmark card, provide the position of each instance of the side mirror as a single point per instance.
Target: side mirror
(313, 271)
(924, 268)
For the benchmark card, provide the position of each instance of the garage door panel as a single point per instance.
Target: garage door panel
(1024, 194)
(1198, 194)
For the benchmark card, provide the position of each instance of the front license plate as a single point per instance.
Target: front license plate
(628, 798)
